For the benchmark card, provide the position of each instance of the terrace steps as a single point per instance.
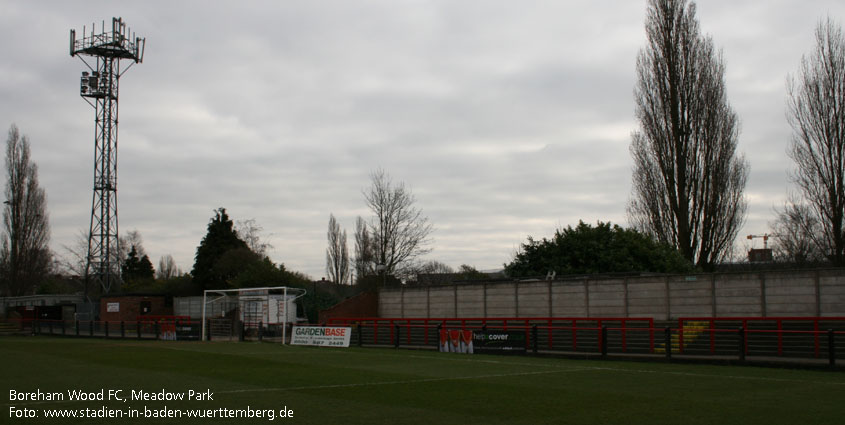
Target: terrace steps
(692, 330)
(9, 328)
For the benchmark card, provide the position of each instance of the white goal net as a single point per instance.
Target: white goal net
(249, 313)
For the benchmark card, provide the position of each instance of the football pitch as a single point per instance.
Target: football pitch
(49, 380)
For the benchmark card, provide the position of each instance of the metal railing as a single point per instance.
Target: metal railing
(172, 329)
(693, 338)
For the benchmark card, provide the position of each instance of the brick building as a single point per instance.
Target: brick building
(128, 308)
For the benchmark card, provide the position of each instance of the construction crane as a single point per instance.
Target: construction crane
(760, 255)
(765, 238)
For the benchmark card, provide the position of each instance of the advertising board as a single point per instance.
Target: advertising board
(456, 341)
(499, 342)
(321, 336)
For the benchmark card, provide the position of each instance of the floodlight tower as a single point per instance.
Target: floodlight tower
(99, 87)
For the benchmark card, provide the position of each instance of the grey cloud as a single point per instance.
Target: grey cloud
(507, 119)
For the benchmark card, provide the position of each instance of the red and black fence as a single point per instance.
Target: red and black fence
(763, 338)
(815, 339)
(145, 327)
(629, 335)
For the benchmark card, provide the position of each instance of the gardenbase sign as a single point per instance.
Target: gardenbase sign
(321, 336)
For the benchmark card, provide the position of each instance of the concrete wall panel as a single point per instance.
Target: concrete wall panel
(470, 300)
(534, 299)
(773, 293)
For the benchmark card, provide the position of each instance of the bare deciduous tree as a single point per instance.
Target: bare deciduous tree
(796, 232)
(688, 180)
(364, 264)
(167, 268)
(75, 259)
(400, 231)
(816, 111)
(433, 267)
(432, 272)
(250, 232)
(24, 255)
(337, 254)
(125, 243)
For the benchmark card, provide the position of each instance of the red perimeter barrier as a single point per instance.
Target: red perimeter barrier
(164, 327)
(779, 321)
(504, 323)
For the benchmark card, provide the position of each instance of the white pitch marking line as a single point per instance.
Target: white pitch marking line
(442, 357)
(704, 375)
(403, 382)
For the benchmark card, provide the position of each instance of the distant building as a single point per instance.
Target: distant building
(43, 307)
(129, 308)
(760, 255)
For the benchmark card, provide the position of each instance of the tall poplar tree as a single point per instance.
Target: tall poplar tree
(24, 249)
(337, 254)
(816, 111)
(688, 179)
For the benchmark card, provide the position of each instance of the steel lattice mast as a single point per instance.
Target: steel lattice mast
(99, 87)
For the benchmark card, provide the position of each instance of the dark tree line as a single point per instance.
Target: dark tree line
(604, 248)
(136, 267)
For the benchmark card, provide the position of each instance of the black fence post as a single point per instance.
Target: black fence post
(439, 330)
(208, 330)
(260, 331)
(106, 324)
(534, 337)
(64, 325)
(741, 341)
(138, 328)
(667, 341)
(360, 337)
(122, 329)
(76, 325)
(604, 341)
(396, 336)
(50, 326)
(90, 328)
(158, 329)
(831, 347)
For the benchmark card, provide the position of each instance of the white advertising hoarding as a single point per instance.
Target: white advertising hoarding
(321, 336)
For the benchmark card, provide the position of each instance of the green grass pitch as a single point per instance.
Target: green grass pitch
(387, 386)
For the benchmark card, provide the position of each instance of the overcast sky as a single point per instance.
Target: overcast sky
(505, 118)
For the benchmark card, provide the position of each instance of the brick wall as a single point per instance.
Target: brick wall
(129, 307)
(362, 305)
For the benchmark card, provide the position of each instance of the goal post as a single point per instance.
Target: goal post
(255, 309)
